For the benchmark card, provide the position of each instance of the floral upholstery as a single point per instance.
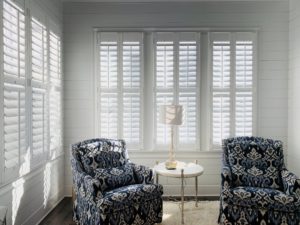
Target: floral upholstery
(111, 190)
(256, 186)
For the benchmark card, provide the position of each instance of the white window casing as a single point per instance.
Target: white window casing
(119, 85)
(177, 81)
(233, 82)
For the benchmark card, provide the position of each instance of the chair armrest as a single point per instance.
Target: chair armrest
(85, 185)
(291, 183)
(226, 177)
(143, 174)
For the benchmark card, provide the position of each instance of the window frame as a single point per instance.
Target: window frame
(29, 11)
(232, 38)
(204, 89)
(118, 91)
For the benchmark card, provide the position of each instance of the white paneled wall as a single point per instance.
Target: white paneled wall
(294, 88)
(271, 18)
(34, 195)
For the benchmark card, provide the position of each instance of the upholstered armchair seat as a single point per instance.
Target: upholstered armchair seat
(257, 189)
(262, 198)
(136, 195)
(111, 190)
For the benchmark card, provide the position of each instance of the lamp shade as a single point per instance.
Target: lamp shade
(171, 114)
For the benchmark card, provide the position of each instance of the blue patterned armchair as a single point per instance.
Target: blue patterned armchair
(109, 189)
(257, 189)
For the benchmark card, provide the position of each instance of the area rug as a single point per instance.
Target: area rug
(206, 213)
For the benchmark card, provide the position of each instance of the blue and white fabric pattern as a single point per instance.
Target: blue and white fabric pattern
(111, 190)
(257, 189)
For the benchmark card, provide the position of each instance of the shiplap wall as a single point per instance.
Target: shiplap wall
(294, 88)
(34, 195)
(271, 18)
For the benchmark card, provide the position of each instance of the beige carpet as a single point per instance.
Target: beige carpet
(206, 213)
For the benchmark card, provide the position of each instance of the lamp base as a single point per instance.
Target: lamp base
(171, 165)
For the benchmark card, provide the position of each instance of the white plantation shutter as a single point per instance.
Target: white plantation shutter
(162, 131)
(131, 71)
(188, 61)
(109, 115)
(54, 58)
(39, 93)
(232, 85)
(164, 64)
(220, 117)
(176, 82)
(244, 54)
(39, 125)
(14, 125)
(120, 92)
(55, 96)
(38, 51)
(14, 41)
(55, 122)
(14, 119)
(221, 63)
(108, 65)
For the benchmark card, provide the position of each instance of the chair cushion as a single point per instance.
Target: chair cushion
(111, 178)
(263, 198)
(131, 195)
(102, 154)
(255, 162)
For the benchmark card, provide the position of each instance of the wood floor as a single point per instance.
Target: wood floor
(61, 214)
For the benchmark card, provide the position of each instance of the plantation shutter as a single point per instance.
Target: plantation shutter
(109, 106)
(120, 92)
(221, 84)
(14, 89)
(39, 65)
(132, 75)
(232, 85)
(164, 81)
(188, 69)
(55, 98)
(244, 54)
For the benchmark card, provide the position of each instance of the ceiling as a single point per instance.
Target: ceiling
(173, 0)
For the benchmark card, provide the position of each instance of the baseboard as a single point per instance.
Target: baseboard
(46, 214)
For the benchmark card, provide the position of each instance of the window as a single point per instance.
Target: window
(232, 85)
(14, 128)
(120, 92)
(177, 82)
(31, 55)
(176, 74)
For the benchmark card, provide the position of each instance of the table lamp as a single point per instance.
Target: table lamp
(171, 115)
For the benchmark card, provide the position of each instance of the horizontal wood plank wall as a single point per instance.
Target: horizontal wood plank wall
(294, 89)
(33, 195)
(272, 19)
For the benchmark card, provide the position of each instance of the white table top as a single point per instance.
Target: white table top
(189, 170)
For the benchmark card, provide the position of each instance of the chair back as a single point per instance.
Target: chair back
(100, 153)
(254, 161)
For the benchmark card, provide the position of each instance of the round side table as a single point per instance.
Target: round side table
(183, 170)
